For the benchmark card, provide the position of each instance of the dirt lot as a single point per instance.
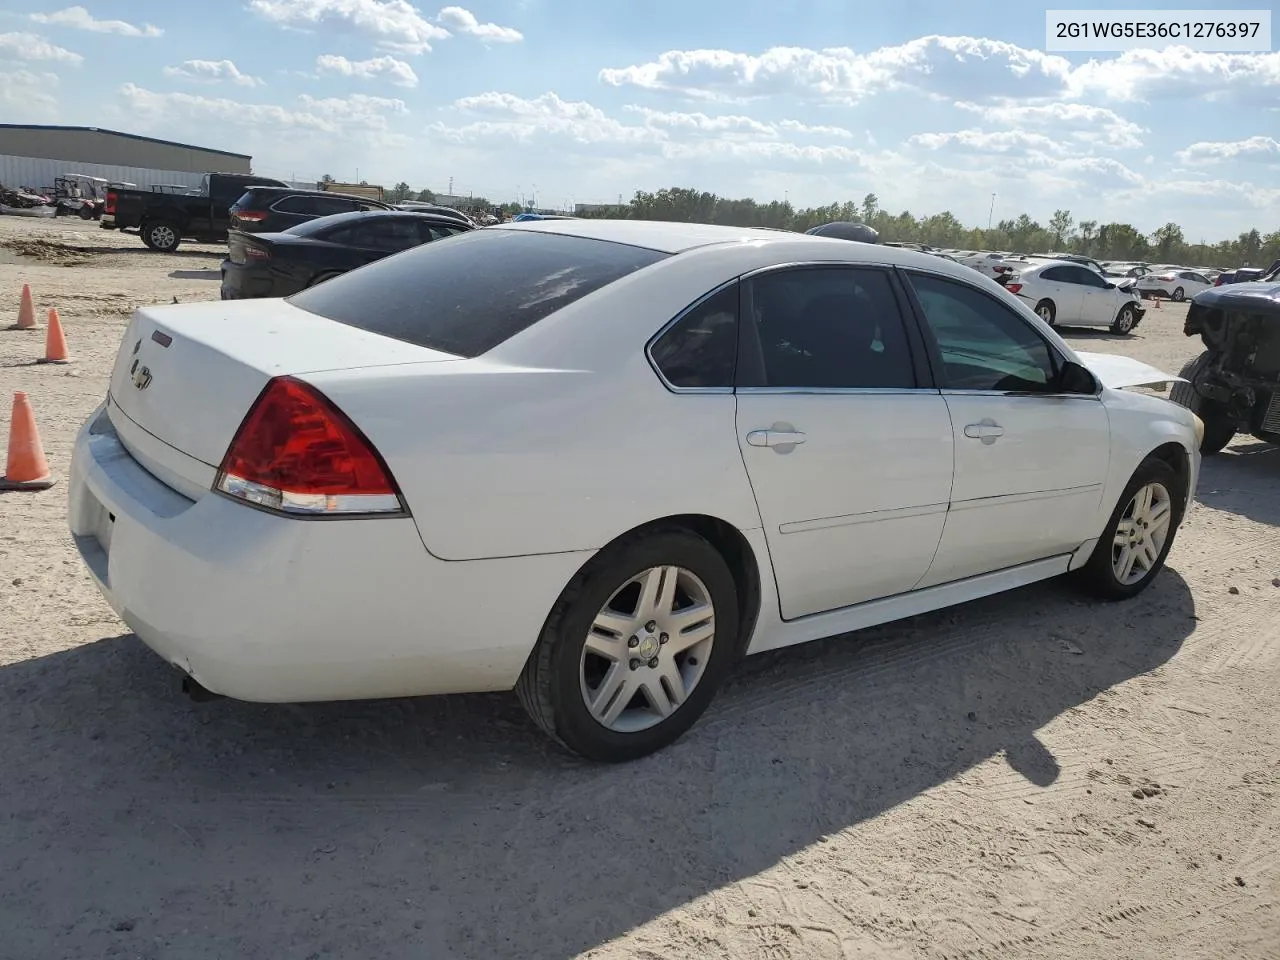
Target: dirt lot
(1026, 776)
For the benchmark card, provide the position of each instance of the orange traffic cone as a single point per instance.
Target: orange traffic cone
(1157, 300)
(55, 343)
(26, 467)
(26, 311)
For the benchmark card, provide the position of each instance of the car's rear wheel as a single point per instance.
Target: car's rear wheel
(1124, 321)
(1219, 427)
(635, 647)
(162, 236)
(1046, 311)
(1139, 535)
(1179, 295)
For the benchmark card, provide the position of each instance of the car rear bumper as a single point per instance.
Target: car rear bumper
(242, 281)
(275, 609)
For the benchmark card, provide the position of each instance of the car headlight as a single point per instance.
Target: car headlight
(1199, 424)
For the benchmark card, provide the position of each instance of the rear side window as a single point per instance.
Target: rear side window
(701, 348)
(469, 294)
(313, 206)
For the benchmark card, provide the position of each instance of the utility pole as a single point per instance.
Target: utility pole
(451, 186)
(991, 212)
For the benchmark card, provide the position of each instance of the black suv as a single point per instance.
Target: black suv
(273, 209)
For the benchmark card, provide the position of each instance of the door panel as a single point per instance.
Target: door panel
(1030, 462)
(855, 511)
(1068, 298)
(850, 459)
(1029, 492)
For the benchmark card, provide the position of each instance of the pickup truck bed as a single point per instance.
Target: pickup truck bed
(164, 220)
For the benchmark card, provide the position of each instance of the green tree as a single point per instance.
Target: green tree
(400, 192)
(1060, 225)
(870, 207)
(426, 196)
(327, 178)
(1168, 242)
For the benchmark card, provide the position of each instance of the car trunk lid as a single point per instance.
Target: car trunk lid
(187, 374)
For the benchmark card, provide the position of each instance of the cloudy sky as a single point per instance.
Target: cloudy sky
(931, 105)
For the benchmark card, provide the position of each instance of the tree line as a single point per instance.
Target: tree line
(1062, 234)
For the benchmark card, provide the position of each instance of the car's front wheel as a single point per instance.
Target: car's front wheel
(1139, 535)
(1219, 427)
(635, 647)
(1179, 295)
(1124, 321)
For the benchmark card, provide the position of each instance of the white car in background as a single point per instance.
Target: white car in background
(987, 264)
(598, 462)
(1070, 294)
(1175, 283)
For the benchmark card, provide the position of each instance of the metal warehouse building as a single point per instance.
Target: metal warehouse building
(34, 155)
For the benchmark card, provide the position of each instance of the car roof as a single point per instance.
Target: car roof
(304, 192)
(666, 236)
(355, 216)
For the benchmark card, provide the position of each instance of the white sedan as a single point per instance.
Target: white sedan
(1175, 283)
(597, 462)
(1069, 294)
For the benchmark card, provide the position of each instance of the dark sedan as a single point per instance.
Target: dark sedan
(280, 264)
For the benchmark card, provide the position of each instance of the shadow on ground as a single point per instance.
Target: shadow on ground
(1244, 480)
(137, 823)
(195, 274)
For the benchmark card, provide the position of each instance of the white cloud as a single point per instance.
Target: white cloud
(396, 71)
(674, 136)
(26, 95)
(1266, 149)
(465, 22)
(80, 19)
(393, 24)
(959, 68)
(967, 67)
(333, 115)
(819, 130)
(29, 46)
(1178, 73)
(982, 141)
(213, 71)
(1078, 120)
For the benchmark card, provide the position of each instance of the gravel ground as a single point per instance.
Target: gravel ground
(1030, 775)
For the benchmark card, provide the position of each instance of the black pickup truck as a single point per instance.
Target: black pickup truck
(164, 220)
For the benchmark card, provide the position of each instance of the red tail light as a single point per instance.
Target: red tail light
(250, 216)
(110, 206)
(1013, 287)
(297, 453)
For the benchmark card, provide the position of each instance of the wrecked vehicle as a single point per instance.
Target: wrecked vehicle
(1234, 386)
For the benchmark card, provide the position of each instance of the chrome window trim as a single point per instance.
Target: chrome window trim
(1026, 394)
(648, 347)
(839, 391)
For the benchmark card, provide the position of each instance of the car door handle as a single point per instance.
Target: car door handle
(775, 438)
(988, 431)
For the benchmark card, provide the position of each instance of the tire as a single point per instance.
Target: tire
(1100, 576)
(1125, 321)
(162, 236)
(1219, 428)
(1047, 312)
(86, 212)
(1179, 295)
(556, 682)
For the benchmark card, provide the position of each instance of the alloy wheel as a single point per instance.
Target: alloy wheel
(647, 649)
(1141, 534)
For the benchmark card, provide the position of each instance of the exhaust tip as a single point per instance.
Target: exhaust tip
(192, 688)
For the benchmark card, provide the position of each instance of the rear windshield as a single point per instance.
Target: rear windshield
(468, 293)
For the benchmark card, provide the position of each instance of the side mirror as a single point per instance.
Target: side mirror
(1073, 378)
(1110, 285)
